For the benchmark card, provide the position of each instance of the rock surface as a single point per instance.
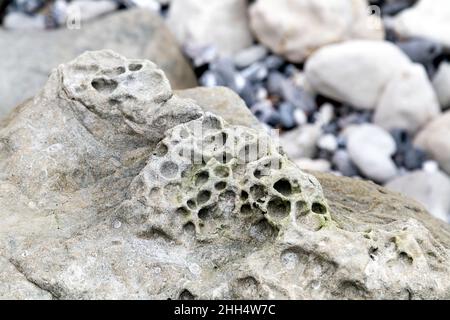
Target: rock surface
(296, 28)
(99, 200)
(428, 19)
(219, 23)
(429, 188)
(134, 33)
(434, 139)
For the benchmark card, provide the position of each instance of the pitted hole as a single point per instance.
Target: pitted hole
(223, 158)
(318, 208)
(257, 174)
(187, 154)
(258, 191)
(204, 214)
(189, 228)
(247, 288)
(115, 72)
(161, 150)
(191, 204)
(246, 209)
(186, 295)
(301, 209)
(290, 259)
(220, 185)
(103, 85)
(210, 122)
(201, 178)
(134, 66)
(203, 197)
(284, 187)
(263, 231)
(184, 134)
(222, 171)
(248, 153)
(244, 195)
(278, 208)
(227, 202)
(373, 253)
(406, 258)
(169, 169)
(154, 233)
(182, 211)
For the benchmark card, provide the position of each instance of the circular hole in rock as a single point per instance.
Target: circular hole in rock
(246, 209)
(244, 195)
(161, 150)
(135, 67)
(182, 211)
(278, 208)
(201, 178)
(220, 185)
(204, 214)
(283, 186)
(222, 171)
(191, 204)
(103, 85)
(186, 295)
(189, 228)
(203, 197)
(258, 191)
(169, 169)
(318, 208)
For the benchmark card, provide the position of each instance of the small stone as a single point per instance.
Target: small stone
(296, 28)
(370, 148)
(344, 164)
(250, 55)
(219, 23)
(301, 142)
(429, 188)
(434, 139)
(441, 84)
(286, 111)
(300, 117)
(274, 62)
(408, 101)
(256, 72)
(201, 55)
(325, 114)
(422, 51)
(20, 21)
(328, 142)
(319, 165)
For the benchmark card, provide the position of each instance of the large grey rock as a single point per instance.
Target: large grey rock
(297, 28)
(99, 199)
(27, 58)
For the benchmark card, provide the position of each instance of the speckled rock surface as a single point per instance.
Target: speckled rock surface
(135, 33)
(102, 196)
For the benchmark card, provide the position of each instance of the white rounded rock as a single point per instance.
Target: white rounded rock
(435, 139)
(427, 19)
(441, 84)
(219, 23)
(355, 72)
(431, 189)
(370, 148)
(296, 28)
(408, 101)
